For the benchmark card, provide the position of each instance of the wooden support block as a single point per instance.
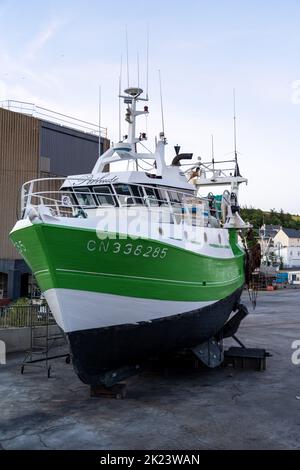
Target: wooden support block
(246, 358)
(115, 391)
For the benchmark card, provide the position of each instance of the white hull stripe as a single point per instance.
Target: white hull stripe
(76, 310)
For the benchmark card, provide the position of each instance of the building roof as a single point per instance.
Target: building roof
(272, 227)
(269, 231)
(291, 232)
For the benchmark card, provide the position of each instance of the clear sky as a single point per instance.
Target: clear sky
(57, 53)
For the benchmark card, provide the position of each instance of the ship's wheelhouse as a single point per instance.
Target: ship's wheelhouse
(125, 194)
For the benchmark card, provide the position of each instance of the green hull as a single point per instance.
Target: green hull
(75, 258)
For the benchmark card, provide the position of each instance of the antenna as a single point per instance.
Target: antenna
(127, 56)
(147, 62)
(99, 143)
(138, 68)
(234, 126)
(161, 105)
(237, 170)
(212, 152)
(120, 91)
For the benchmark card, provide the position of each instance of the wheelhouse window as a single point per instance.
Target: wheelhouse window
(137, 191)
(124, 194)
(84, 196)
(104, 196)
(151, 196)
(67, 198)
(162, 196)
(175, 197)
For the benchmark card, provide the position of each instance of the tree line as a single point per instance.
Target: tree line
(257, 218)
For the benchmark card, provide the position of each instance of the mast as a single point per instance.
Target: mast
(212, 148)
(161, 107)
(131, 97)
(147, 62)
(127, 55)
(126, 148)
(120, 88)
(234, 127)
(237, 170)
(99, 142)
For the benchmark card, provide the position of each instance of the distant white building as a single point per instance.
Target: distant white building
(266, 240)
(286, 244)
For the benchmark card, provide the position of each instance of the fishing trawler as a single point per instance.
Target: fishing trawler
(134, 263)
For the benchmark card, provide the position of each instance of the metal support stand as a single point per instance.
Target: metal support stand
(212, 353)
(238, 341)
(245, 358)
(41, 344)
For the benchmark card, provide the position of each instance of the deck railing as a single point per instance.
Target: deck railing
(53, 116)
(68, 202)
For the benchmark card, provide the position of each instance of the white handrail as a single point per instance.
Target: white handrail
(54, 116)
(32, 196)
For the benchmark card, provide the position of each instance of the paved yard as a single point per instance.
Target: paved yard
(205, 409)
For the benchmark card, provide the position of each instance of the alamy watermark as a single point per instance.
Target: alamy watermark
(183, 223)
(2, 352)
(296, 353)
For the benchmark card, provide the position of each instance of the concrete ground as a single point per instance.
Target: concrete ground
(206, 409)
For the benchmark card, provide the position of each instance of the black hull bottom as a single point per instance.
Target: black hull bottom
(95, 352)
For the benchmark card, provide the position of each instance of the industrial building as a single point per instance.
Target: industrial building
(36, 142)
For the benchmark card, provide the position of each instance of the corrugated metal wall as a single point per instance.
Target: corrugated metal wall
(69, 151)
(24, 140)
(19, 162)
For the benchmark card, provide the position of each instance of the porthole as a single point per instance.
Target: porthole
(205, 237)
(220, 239)
(160, 231)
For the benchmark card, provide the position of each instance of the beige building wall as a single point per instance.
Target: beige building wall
(281, 238)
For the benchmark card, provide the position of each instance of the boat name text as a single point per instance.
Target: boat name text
(92, 181)
(146, 251)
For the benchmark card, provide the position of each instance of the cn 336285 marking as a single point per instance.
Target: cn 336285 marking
(148, 251)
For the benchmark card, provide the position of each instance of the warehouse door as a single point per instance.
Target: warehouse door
(24, 285)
